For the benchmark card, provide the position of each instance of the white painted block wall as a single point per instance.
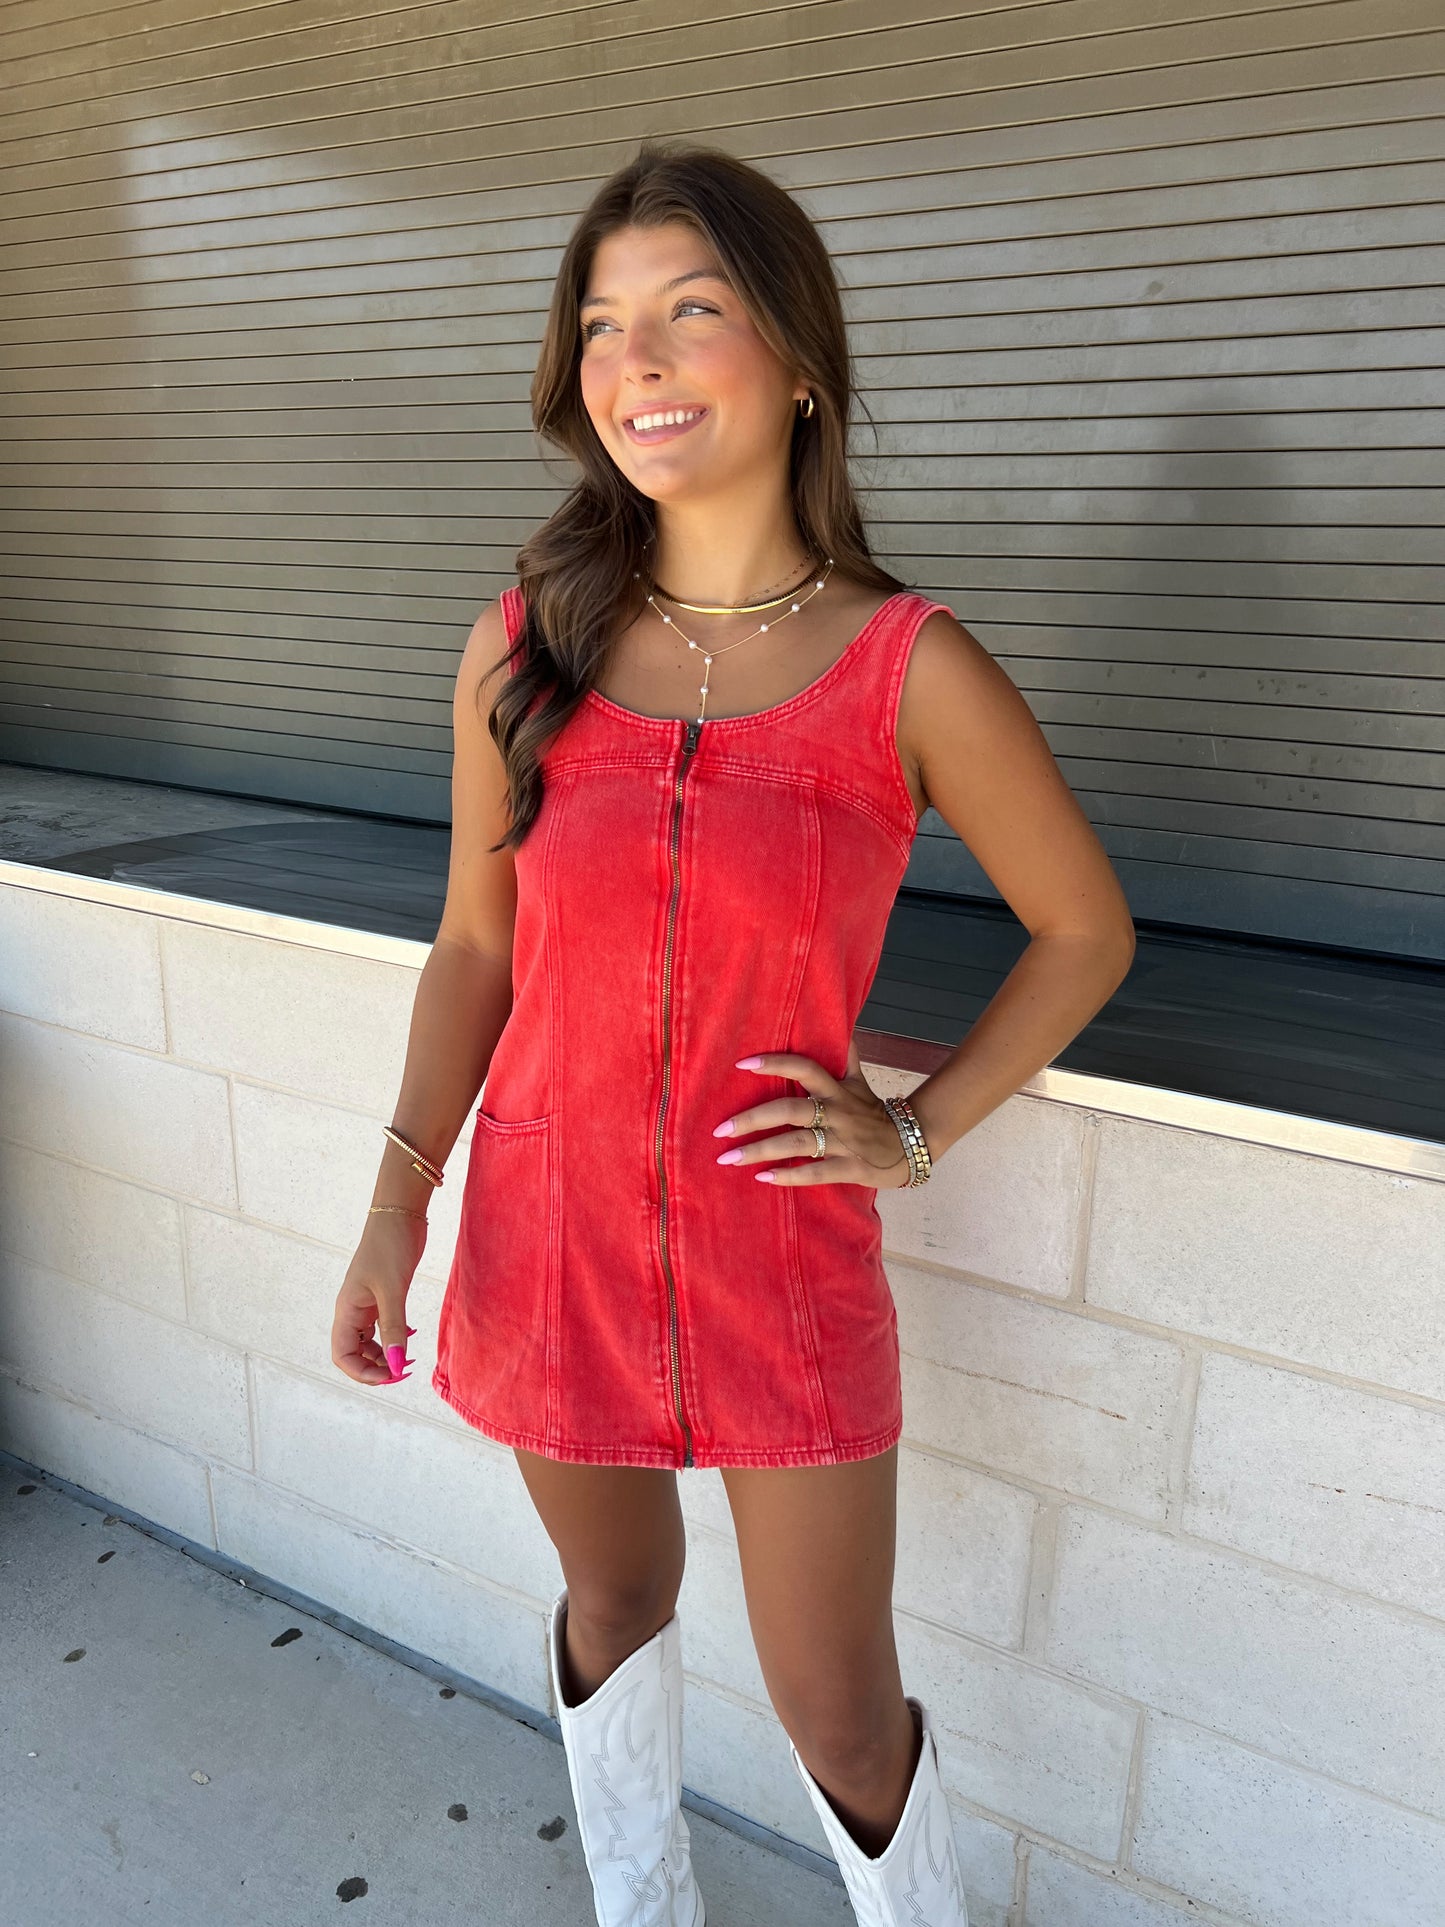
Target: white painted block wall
(1171, 1562)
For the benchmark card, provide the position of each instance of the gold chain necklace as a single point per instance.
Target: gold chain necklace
(762, 630)
(730, 608)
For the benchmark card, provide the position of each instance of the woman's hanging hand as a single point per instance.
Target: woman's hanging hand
(369, 1329)
(863, 1145)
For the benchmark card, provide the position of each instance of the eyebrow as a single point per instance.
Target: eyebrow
(694, 274)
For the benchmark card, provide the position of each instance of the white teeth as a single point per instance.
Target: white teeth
(645, 423)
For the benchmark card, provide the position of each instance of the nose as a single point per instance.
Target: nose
(643, 358)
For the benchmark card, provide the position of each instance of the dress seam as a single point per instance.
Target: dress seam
(802, 1309)
(898, 670)
(607, 1453)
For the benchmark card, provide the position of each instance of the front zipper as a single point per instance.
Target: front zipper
(694, 730)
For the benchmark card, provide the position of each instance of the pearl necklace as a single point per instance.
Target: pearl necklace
(761, 630)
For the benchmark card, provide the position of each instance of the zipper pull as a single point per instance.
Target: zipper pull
(694, 730)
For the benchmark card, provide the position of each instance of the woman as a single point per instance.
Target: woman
(712, 722)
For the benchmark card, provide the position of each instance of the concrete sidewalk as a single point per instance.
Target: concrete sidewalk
(181, 1747)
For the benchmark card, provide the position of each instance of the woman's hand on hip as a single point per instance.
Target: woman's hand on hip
(862, 1141)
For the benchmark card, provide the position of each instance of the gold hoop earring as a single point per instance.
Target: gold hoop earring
(805, 412)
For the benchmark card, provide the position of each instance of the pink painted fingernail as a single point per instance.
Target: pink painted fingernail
(748, 1063)
(730, 1157)
(396, 1359)
(411, 1331)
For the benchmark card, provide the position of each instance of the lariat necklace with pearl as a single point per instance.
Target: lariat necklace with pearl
(730, 609)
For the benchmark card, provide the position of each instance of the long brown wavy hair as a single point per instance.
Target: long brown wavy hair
(576, 571)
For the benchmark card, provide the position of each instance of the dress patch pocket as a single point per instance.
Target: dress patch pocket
(499, 1300)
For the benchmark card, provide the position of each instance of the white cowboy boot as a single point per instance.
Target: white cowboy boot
(624, 1759)
(915, 1881)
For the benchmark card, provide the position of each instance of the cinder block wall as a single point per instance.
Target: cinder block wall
(1172, 1508)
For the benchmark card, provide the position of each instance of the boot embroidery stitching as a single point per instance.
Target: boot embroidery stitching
(639, 1883)
(637, 1790)
(944, 1869)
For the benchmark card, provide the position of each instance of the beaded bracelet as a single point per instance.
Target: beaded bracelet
(920, 1162)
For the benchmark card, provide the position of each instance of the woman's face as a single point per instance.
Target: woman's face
(650, 348)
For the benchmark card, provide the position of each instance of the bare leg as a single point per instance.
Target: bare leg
(817, 1550)
(619, 1533)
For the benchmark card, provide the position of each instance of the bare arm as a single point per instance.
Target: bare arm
(463, 999)
(464, 992)
(984, 765)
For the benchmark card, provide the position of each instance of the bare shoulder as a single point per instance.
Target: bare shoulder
(960, 709)
(947, 656)
(952, 687)
(483, 664)
(978, 754)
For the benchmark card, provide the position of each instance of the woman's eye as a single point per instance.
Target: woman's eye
(701, 306)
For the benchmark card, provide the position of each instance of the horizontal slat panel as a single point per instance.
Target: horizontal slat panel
(991, 137)
(1304, 616)
(232, 763)
(1146, 311)
(1332, 912)
(1257, 513)
(354, 554)
(364, 744)
(1138, 574)
(1228, 211)
(736, 67)
(307, 612)
(177, 43)
(350, 263)
(1234, 468)
(365, 436)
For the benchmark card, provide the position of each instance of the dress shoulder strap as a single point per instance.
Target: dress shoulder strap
(875, 685)
(864, 708)
(905, 619)
(514, 614)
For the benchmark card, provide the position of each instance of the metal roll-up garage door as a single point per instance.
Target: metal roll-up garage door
(1148, 313)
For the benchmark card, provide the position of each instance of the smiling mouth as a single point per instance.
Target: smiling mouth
(667, 430)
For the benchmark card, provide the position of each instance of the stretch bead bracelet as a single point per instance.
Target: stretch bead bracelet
(920, 1163)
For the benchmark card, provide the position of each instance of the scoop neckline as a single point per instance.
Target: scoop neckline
(806, 694)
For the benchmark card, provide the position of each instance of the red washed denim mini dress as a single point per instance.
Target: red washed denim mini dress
(690, 893)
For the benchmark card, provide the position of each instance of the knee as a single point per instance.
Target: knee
(846, 1740)
(619, 1612)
